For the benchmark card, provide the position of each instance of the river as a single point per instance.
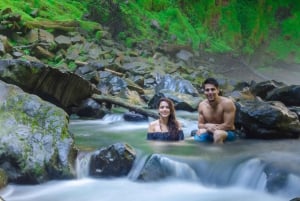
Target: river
(233, 171)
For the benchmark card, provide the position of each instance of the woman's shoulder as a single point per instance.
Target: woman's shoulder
(179, 125)
(152, 126)
(155, 122)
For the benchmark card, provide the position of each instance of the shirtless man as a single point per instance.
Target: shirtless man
(216, 115)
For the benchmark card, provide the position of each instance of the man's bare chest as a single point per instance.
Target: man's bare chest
(213, 115)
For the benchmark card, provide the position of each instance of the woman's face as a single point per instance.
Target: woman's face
(164, 109)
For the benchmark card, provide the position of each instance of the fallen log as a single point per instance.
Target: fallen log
(123, 103)
(57, 25)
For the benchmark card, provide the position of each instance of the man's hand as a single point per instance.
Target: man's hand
(211, 127)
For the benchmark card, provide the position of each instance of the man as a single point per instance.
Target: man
(216, 115)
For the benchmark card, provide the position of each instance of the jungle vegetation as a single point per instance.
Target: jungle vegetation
(218, 26)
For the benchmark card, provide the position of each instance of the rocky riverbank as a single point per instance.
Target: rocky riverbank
(70, 70)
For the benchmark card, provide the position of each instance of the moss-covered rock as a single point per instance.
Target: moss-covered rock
(53, 85)
(35, 144)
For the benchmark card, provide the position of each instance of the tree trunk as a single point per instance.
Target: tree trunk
(123, 103)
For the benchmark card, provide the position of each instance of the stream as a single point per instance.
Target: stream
(200, 171)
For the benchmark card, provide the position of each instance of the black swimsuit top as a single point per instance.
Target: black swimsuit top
(164, 136)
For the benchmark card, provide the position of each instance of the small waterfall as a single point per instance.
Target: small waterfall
(179, 170)
(247, 173)
(110, 118)
(250, 174)
(82, 164)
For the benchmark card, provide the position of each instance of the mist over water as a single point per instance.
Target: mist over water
(283, 75)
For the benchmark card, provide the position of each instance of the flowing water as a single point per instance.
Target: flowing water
(233, 171)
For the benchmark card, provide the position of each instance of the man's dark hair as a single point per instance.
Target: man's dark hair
(212, 81)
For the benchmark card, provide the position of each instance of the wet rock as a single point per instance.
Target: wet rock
(63, 41)
(176, 84)
(135, 117)
(35, 35)
(58, 87)
(267, 120)
(90, 108)
(288, 95)
(276, 179)
(5, 46)
(34, 140)
(296, 110)
(159, 167)
(181, 101)
(113, 161)
(111, 84)
(262, 89)
(42, 53)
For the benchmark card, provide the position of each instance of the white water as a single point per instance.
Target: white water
(233, 171)
(126, 190)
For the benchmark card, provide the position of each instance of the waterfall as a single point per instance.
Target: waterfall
(82, 164)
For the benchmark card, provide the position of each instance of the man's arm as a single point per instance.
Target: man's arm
(201, 121)
(228, 116)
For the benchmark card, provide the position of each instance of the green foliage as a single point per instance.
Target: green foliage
(72, 66)
(215, 26)
(289, 27)
(48, 9)
(284, 49)
(154, 5)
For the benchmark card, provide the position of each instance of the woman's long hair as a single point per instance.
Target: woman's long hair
(173, 126)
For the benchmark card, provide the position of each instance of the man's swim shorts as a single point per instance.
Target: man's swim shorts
(207, 137)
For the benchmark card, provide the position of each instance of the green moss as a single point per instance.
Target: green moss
(72, 66)
(89, 26)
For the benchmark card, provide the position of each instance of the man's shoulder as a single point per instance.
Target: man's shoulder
(226, 99)
(203, 102)
(227, 103)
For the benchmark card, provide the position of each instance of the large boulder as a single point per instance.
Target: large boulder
(113, 161)
(288, 95)
(176, 84)
(91, 108)
(53, 85)
(158, 167)
(111, 84)
(35, 144)
(267, 120)
(262, 89)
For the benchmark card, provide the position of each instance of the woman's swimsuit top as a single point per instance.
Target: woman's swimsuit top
(164, 136)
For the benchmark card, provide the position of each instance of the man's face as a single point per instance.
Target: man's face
(211, 92)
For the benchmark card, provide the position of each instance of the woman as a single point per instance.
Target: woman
(166, 128)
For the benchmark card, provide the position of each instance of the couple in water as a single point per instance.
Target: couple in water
(215, 119)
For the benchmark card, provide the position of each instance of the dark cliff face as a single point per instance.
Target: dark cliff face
(64, 89)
